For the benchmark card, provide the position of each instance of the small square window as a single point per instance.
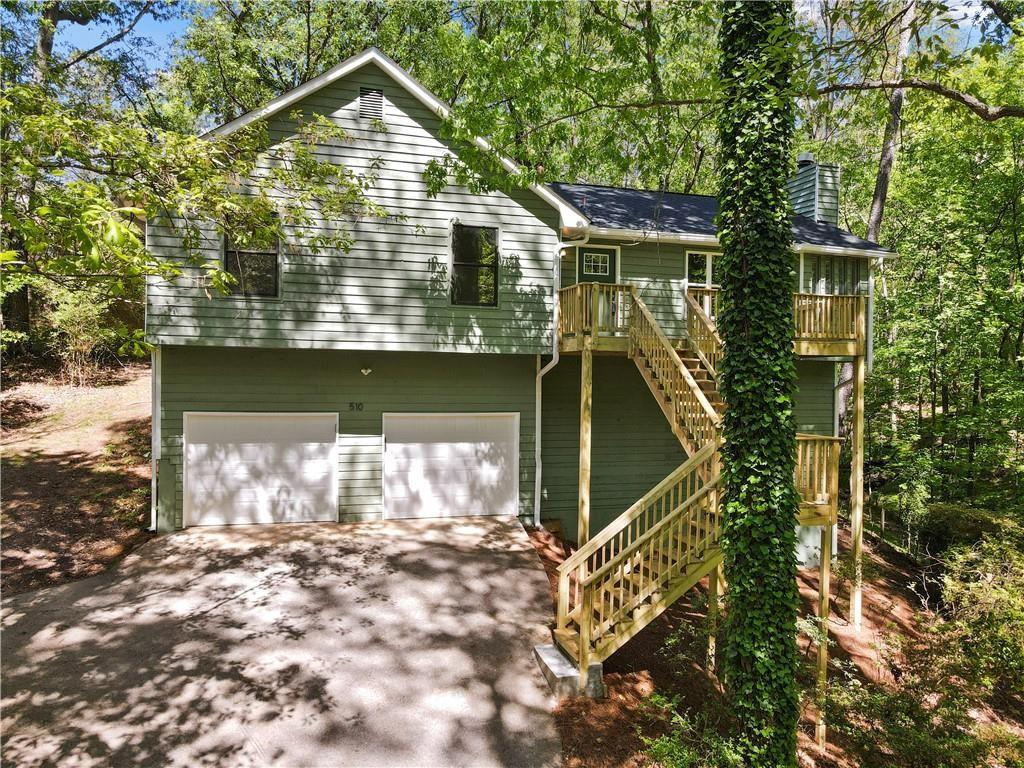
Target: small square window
(475, 265)
(596, 263)
(253, 260)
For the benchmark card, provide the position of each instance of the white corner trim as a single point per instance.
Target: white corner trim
(570, 216)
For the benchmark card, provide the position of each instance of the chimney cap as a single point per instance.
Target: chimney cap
(805, 158)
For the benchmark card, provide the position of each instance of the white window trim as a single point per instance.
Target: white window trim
(598, 247)
(280, 273)
(473, 222)
(708, 260)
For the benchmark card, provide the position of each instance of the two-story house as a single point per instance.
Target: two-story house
(547, 352)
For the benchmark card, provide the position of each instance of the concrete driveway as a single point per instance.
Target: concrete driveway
(402, 643)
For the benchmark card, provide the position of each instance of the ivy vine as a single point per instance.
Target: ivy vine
(758, 378)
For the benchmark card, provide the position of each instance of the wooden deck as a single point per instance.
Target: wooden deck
(824, 326)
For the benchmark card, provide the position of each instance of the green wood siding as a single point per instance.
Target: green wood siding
(207, 379)
(814, 192)
(802, 193)
(633, 448)
(814, 410)
(656, 269)
(390, 291)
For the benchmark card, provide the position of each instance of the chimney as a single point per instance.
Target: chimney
(814, 190)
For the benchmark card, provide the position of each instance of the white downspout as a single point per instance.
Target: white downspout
(538, 392)
(155, 373)
(869, 325)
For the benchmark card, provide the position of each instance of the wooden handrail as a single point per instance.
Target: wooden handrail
(828, 318)
(679, 494)
(689, 404)
(637, 565)
(637, 509)
(707, 299)
(703, 335)
(817, 469)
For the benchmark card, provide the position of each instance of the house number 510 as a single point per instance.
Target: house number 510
(355, 406)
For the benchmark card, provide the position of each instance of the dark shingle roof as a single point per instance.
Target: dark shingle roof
(673, 213)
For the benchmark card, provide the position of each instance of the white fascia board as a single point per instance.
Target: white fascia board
(642, 234)
(712, 240)
(836, 250)
(570, 216)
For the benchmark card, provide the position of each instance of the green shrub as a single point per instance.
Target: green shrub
(78, 329)
(921, 721)
(983, 591)
(947, 525)
(693, 742)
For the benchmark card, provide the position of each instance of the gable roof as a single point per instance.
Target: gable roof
(690, 216)
(570, 216)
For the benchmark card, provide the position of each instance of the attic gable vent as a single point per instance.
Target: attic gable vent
(371, 103)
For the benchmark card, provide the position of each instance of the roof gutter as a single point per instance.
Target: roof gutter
(612, 233)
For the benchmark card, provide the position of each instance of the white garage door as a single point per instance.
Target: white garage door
(260, 468)
(451, 464)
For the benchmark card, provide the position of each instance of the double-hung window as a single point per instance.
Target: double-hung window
(253, 259)
(475, 265)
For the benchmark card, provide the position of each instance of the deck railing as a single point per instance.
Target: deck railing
(829, 318)
(815, 317)
(817, 471)
(594, 309)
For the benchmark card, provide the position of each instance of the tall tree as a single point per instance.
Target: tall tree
(758, 376)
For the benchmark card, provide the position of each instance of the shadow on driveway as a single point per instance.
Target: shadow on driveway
(402, 643)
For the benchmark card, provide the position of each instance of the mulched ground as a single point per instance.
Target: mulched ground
(75, 494)
(663, 658)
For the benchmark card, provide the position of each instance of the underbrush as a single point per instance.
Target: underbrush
(691, 741)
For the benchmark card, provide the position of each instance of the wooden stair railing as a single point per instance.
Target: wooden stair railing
(664, 544)
(636, 567)
(703, 335)
(690, 414)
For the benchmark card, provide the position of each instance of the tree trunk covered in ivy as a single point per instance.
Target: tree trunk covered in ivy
(758, 378)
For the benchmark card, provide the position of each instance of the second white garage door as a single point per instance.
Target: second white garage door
(244, 468)
(451, 464)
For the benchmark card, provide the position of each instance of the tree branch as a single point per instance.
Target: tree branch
(1001, 12)
(985, 111)
(146, 7)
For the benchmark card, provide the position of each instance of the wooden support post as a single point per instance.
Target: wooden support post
(586, 409)
(586, 630)
(716, 585)
(857, 490)
(824, 587)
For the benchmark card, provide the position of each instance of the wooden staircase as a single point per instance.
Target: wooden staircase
(630, 572)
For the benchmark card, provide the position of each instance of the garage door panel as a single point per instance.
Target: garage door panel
(244, 468)
(451, 465)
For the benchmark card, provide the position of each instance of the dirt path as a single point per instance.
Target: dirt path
(75, 477)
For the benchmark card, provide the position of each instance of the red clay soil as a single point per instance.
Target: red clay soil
(608, 733)
(75, 494)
